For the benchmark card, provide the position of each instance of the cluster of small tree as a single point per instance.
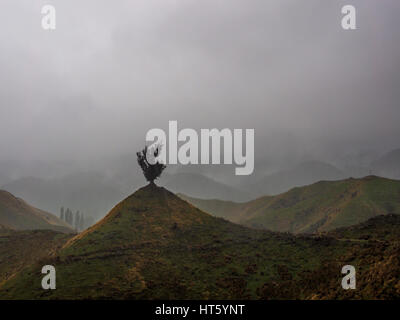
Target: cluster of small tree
(77, 220)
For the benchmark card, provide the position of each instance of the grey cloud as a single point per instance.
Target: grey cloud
(113, 70)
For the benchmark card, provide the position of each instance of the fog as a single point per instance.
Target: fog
(83, 96)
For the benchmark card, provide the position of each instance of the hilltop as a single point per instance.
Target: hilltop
(16, 214)
(322, 206)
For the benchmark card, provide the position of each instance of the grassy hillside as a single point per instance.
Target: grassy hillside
(154, 245)
(17, 214)
(376, 259)
(322, 206)
(379, 228)
(19, 249)
(374, 251)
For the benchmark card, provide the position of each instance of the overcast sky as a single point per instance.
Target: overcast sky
(112, 70)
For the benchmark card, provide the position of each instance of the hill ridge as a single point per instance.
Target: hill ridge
(153, 245)
(132, 212)
(321, 206)
(16, 213)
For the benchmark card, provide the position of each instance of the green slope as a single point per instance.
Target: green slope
(322, 206)
(19, 249)
(19, 215)
(153, 245)
(379, 228)
(376, 259)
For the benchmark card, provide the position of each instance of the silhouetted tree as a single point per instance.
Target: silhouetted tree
(81, 222)
(69, 217)
(150, 170)
(77, 220)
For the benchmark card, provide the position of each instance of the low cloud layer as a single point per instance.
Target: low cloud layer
(113, 70)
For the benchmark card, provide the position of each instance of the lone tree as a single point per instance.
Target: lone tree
(151, 168)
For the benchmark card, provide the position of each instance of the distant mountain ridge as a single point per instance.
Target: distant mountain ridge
(322, 206)
(303, 174)
(388, 165)
(89, 192)
(197, 184)
(18, 215)
(95, 192)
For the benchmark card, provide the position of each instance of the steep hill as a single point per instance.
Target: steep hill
(17, 214)
(322, 206)
(153, 245)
